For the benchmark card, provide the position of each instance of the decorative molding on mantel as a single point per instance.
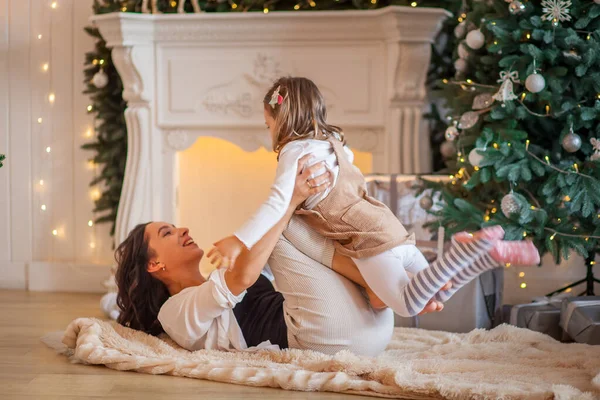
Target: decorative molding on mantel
(394, 23)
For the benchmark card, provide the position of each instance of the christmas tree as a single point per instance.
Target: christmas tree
(524, 112)
(2, 157)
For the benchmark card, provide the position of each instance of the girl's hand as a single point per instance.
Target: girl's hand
(307, 186)
(225, 252)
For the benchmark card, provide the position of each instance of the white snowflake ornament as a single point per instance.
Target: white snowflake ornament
(556, 10)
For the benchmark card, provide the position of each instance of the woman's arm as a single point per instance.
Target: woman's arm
(250, 263)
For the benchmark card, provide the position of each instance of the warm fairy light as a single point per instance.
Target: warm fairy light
(574, 228)
(454, 182)
(51, 97)
(507, 265)
(460, 19)
(45, 66)
(462, 160)
(547, 108)
(90, 223)
(234, 6)
(463, 15)
(469, 81)
(92, 245)
(124, 9)
(39, 120)
(589, 36)
(547, 159)
(495, 146)
(494, 210)
(576, 167)
(567, 198)
(523, 285)
(533, 207)
(102, 62)
(508, 144)
(297, 7)
(524, 234)
(527, 144)
(173, 4)
(54, 4)
(523, 96)
(90, 107)
(528, 36)
(476, 168)
(48, 149)
(592, 262)
(413, 4)
(521, 274)
(445, 80)
(587, 239)
(54, 232)
(89, 133)
(91, 164)
(553, 235)
(95, 194)
(41, 182)
(494, 23)
(43, 207)
(486, 218)
(313, 4)
(39, 36)
(558, 219)
(495, 42)
(95, 61)
(451, 176)
(266, 10)
(598, 96)
(568, 290)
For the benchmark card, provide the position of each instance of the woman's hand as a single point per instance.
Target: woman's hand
(307, 186)
(225, 252)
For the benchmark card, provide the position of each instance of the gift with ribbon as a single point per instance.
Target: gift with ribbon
(580, 319)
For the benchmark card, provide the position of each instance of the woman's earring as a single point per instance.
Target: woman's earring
(163, 268)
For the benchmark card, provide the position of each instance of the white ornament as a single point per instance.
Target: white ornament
(426, 202)
(460, 30)
(463, 51)
(482, 101)
(509, 205)
(571, 142)
(451, 133)
(505, 93)
(447, 149)
(461, 65)
(468, 120)
(475, 39)
(596, 146)
(556, 10)
(100, 79)
(535, 83)
(475, 158)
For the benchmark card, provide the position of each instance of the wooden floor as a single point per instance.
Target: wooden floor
(30, 370)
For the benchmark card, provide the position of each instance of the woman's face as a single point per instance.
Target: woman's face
(270, 122)
(173, 247)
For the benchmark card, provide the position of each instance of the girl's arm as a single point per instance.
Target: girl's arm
(250, 263)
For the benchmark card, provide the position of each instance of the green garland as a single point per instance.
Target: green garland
(2, 158)
(108, 106)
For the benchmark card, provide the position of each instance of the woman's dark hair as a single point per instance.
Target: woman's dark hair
(140, 295)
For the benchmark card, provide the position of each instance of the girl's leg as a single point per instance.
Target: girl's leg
(386, 275)
(520, 253)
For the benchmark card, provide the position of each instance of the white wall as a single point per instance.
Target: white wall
(30, 255)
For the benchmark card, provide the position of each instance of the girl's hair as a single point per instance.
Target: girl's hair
(301, 114)
(140, 295)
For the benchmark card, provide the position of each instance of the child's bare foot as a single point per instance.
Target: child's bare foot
(375, 301)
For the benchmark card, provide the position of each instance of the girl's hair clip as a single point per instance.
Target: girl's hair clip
(276, 98)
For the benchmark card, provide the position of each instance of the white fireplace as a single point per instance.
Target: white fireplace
(204, 75)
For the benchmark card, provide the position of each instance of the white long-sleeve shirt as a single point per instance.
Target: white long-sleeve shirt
(274, 208)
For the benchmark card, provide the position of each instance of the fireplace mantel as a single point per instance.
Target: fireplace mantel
(193, 75)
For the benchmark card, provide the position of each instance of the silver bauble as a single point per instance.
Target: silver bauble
(516, 7)
(475, 39)
(571, 142)
(475, 158)
(461, 30)
(509, 205)
(448, 149)
(461, 65)
(426, 202)
(451, 133)
(463, 51)
(535, 83)
(100, 79)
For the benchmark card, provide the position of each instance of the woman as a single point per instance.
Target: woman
(161, 289)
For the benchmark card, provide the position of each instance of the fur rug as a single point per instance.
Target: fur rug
(504, 363)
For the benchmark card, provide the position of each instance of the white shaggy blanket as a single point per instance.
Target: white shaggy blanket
(504, 363)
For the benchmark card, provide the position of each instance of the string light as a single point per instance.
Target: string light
(89, 133)
(523, 96)
(95, 61)
(48, 149)
(39, 120)
(54, 232)
(476, 168)
(297, 7)
(460, 19)
(494, 210)
(90, 223)
(90, 107)
(234, 6)
(45, 67)
(553, 235)
(41, 182)
(39, 37)
(524, 234)
(266, 10)
(43, 207)
(469, 81)
(589, 36)
(102, 62)
(568, 290)
(547, 109)
(92, 245)
(313, 4)
(173, 4)
(528, 36)
(124, 8)
(567, 198)
(495, 145)
(54, 4)
(507, 265)
(413, 4)
(523, 285)
(521, 274)
(95, 194)
(51, 98)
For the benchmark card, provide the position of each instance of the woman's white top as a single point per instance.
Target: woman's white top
(274, 208)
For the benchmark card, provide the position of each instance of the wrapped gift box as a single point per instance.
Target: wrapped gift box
(543, 316)
(580, 319)
(477, 304)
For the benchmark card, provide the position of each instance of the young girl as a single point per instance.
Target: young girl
(364, 229)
